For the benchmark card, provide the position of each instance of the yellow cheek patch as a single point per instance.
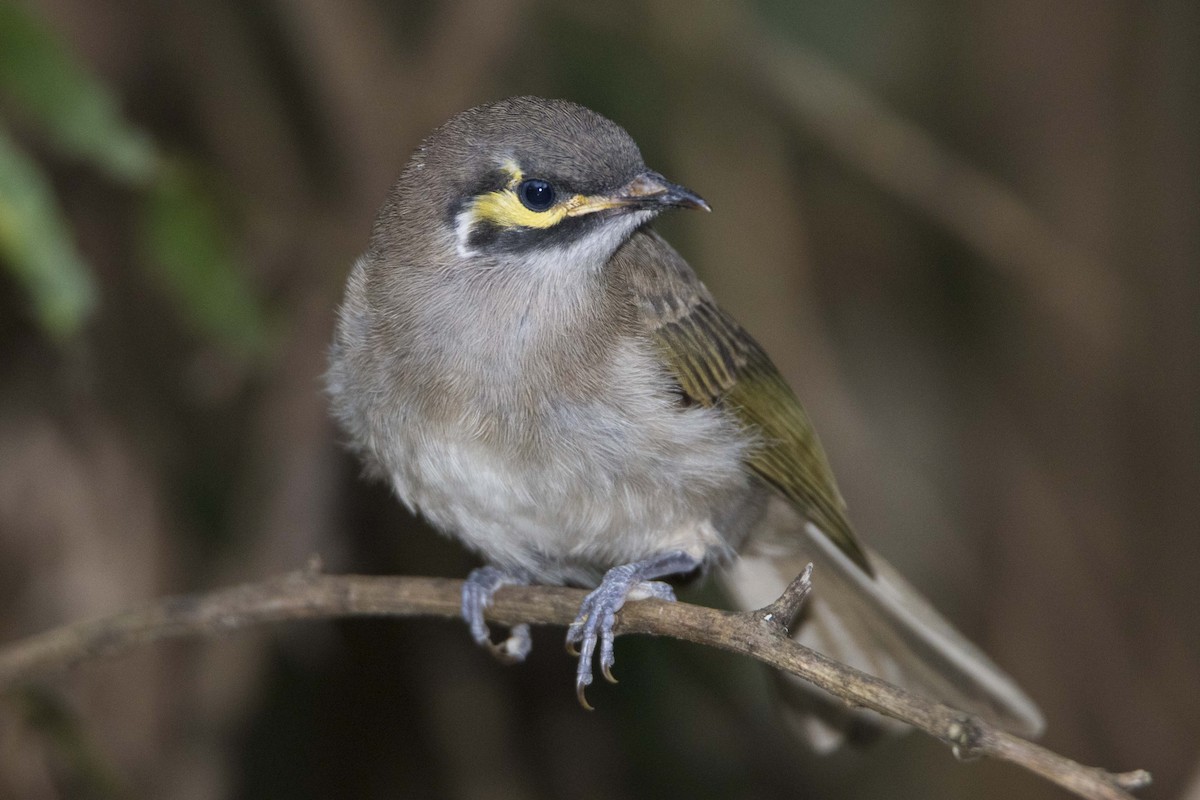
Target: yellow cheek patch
(504, 209)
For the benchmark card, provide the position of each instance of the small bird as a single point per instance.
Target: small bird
(544, 378)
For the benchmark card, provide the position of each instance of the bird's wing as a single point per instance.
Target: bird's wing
(718, 364)
(863, 612)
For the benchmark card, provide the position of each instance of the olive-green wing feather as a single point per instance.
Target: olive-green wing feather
(718, 364)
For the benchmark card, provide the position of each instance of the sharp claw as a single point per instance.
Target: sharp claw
(597, 616)
(580, 688)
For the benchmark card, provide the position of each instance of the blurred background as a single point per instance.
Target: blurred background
(968, 233)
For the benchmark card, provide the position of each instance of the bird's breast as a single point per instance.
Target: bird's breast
(579, 465)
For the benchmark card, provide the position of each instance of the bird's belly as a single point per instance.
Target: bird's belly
(574, 489)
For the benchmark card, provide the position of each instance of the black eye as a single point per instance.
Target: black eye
(537, 195)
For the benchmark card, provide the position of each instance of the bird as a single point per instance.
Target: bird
(540, 375)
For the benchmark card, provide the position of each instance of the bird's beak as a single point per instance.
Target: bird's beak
(652, 189)
(648, 190)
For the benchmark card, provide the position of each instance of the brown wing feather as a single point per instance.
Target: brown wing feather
(718, 364)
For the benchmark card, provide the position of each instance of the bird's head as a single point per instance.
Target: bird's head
(524, 179)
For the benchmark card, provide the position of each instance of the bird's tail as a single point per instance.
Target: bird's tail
(879, 625)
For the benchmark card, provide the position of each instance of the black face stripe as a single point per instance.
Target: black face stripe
(487, 237)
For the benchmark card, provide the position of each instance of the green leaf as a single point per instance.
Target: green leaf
(37, 247)
(188, 247)
(76, 110)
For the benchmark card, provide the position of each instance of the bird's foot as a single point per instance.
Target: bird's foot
(598, 614)
(477, 593)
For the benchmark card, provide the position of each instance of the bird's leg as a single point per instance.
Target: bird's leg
(477, 593)
(597, 615)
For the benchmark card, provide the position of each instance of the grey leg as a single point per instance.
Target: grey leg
(477, 593)
(598, 613)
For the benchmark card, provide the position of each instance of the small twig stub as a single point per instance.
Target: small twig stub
(784, 610)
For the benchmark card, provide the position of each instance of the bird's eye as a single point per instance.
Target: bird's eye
(535, 194)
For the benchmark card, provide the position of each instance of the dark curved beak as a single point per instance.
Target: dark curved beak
(652, 189)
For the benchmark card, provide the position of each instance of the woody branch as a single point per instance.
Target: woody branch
(761, 634)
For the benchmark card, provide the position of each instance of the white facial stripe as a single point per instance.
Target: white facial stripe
(464, 221)
(591, 251)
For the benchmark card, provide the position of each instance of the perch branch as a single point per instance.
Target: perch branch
(759, 634)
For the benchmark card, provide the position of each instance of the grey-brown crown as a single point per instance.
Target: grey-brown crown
(573, 147)
(552, 139)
